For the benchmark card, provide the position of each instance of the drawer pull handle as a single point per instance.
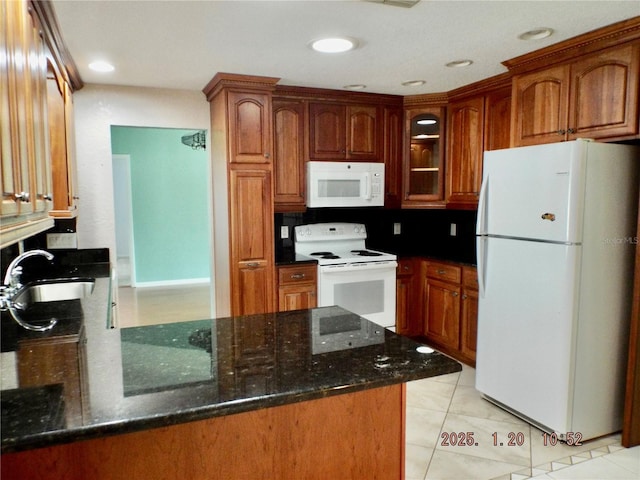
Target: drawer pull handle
(253, 264)
(298, 276)
(441, 272)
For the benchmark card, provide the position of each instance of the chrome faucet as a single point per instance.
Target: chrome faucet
(14, 270)
(12, 285)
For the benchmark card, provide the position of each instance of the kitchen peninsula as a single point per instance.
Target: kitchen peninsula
(277, 395)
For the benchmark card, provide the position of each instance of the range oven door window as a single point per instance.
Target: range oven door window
(369, 291)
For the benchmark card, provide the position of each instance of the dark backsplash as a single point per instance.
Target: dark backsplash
(423, 232)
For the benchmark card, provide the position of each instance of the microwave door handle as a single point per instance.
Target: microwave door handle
(367, 186)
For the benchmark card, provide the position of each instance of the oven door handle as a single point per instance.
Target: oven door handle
(359, 267)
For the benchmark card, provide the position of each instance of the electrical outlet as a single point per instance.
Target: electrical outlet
(397, 228)
(62, 240)
(453, 230)
(284, 232)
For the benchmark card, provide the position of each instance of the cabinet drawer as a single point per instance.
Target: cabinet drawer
(470, 277)
(405, 266)
(443, 271)
(297, 274)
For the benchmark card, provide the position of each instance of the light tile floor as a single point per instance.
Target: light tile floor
(440, 406)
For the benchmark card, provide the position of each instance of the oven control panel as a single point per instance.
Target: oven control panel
(330, 231)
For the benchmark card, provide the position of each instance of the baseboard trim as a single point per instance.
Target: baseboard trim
(172, 283)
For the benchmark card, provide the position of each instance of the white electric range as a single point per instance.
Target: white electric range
(350, 275)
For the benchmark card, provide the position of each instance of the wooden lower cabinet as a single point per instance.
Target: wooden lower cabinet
(297, 287)
(450, 314)
(333, 437)
(407, 308)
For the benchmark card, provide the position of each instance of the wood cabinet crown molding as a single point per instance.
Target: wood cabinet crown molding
(569, 50)
(426, 100)
(53, 37)
(481, 87)
(247, 82)
(338, 96)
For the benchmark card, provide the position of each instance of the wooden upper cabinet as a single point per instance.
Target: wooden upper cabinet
(540, 102)
(288, 159)
(343, 132)
(392, 155)
(250, 127)
(362, 135)
(464, 150)
(497, 119)
(594, 97)
(327, 132)
(604, 96)
(423, 170)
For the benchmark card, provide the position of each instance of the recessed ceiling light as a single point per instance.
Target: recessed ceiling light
(413, 83)
(459, 63)
(355, 86)
(427, 121)
(334, 45)
(536, 34)
(101, 66)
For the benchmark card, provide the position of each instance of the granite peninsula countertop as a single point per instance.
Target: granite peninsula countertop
(140, 378)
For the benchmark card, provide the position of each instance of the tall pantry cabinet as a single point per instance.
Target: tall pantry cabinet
(242, 179)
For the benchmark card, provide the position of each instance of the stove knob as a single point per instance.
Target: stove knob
(308, 231)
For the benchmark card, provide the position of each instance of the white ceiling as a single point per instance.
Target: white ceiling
(182, 44)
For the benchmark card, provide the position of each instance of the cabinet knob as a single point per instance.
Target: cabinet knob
(571, 131)
(47, 196)
(561, 132)
(76, 197)
(455, 294)
(22, 197)
(267, 155)
(464, 297)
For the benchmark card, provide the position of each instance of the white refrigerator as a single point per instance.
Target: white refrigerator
(555, 243)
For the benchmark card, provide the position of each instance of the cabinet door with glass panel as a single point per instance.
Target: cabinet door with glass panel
(423, 183)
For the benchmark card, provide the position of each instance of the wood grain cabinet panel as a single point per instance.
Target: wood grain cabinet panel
(594, 97)
(297, 287)
(604, 98)
(249, 127)
(392, 156)
(464, 150)
(288, 160)
(450, 296)
(408, 306)
(344, 132)
(251, 224)
(540, 106)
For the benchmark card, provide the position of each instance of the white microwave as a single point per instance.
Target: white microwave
(345, 184)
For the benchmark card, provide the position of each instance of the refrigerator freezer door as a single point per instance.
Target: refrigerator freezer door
(525, 328)
(534, 192)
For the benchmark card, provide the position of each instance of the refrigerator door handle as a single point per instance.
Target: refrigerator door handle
(481, 248)
(481, 224)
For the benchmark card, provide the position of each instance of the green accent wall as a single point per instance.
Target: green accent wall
(170, 197)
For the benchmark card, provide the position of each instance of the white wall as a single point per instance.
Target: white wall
(97, 107)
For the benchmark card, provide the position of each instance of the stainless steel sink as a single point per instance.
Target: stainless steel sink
(53, 290)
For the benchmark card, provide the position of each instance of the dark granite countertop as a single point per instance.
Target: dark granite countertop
(145, 377)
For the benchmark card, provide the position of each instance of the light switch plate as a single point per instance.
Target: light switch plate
(62, 240)
(284, 231)
(397, 228)
(453, 230)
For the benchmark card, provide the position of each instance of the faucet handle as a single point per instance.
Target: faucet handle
(14, 277)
